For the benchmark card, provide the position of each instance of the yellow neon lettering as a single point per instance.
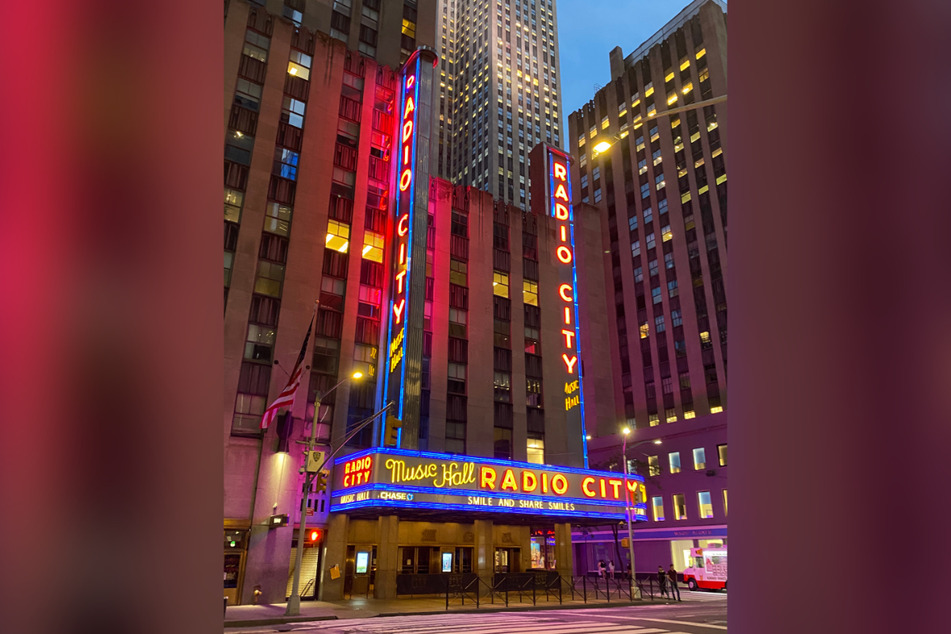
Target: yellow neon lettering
(561, 172)
(561, 192)
(561, 212)
(398, 310)
(410, 106)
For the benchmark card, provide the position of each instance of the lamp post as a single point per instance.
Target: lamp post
(293, 603)
(629, 509)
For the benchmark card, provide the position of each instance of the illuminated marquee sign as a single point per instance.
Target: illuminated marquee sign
(411, 479)
(559, 206)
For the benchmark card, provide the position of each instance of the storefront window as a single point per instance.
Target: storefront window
(543, 549)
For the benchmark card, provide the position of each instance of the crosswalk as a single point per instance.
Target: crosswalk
(551, 622)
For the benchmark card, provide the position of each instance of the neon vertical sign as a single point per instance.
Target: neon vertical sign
(559, 207)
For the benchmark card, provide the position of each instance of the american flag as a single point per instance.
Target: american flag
(286, 397)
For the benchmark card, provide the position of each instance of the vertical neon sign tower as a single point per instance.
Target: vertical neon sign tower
(410, 182)
(552, 184)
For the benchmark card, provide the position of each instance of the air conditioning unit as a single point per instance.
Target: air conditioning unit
(711, 472)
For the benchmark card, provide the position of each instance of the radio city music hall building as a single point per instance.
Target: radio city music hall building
(482, 323)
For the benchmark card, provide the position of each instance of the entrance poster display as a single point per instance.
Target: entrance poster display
(363, 562)
(447, 562)
(387, 477)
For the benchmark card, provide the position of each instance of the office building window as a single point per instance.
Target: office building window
(680, 507)
(500, 283)
(721, 454)
(706, 504)
(699, 459)
(653, 465)
(657, 503)
(674, 460)
(536, 450)
(724, 502)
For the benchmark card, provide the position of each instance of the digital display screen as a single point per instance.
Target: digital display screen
(363, 561)
(447, 562)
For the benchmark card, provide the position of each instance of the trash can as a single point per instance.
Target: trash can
(225, 611)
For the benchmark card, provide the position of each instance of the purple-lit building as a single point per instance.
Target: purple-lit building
(651, 149)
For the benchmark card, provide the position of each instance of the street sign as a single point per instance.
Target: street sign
(314, 460)
(310, 512)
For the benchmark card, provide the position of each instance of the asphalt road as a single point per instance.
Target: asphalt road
(701, 613)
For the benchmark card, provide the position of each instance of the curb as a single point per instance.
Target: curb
(279, 621)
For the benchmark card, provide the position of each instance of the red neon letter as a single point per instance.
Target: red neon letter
(403, 253)
(569, 363)
(399, 280)
(567, 316)
(401, 227)
(561, 212)
(405, 155)
(564, 233)
(405, 179)
(561, 173)
(410, 81)
(568, 335)
(410, 106)
(563, 253)
(561, 193)
(559, 484)
(615, 484)
(398, 309)
(487, 478)
(407, 130)
(508, 481)
(529, 482)
(563, 289)
(584, 487)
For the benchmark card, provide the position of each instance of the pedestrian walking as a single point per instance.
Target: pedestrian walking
(611, 569)
(672, 578)
(601, 568)
(662, 580)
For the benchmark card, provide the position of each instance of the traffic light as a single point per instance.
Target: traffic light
(393, 425)
(322, 481)
(314, 535)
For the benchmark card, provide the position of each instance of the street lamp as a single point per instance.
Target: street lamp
(629, 509)
(293, 603)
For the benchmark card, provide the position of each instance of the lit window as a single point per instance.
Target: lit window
(724, 502)
(669, 76)
(536, 450)
(458, 272)
(666, 233)
(694, 137)
(706, 504)
(297, 70)
(653, 465)
(685, 64)
(645, 330)
(704, 75)
(648, 89)
(721, 454)
(278, 218)
(699, 459)
(671, 99)
(530, 292)
(500, 283)
(652, 420)
(373, 246)
(716, 409)
(689, 413)
(687, 87)
(701, 53)
(674, 459)
(233, 201)
(657, 503)
(604, 123)
(721, 179)
(670, 415)
(705, 337)
(338, 236)
(680, 508)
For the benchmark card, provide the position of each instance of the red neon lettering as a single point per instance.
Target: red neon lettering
(561, 192)
(544, 482)
(603, 492)
(407, 130)
(584, 487)
(568, 335)
(567, 316)
(570, 363)
(529, 482)
(559, 484)
(508, 481)
(564, 233)
(410, 106)
(401, 227)
(405, 155)
(405, 179)
(561, 173)
(615, 484)
(561, 212)
(403, 253)
(410, 81)
(487, 478)
(398, 309)
(562, 290)
(399, 280)
(563, 252)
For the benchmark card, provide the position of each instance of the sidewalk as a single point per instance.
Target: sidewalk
(273, 614)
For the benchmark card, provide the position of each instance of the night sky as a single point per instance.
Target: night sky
(589, 29)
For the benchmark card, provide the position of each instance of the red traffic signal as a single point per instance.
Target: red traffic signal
(314, 535)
